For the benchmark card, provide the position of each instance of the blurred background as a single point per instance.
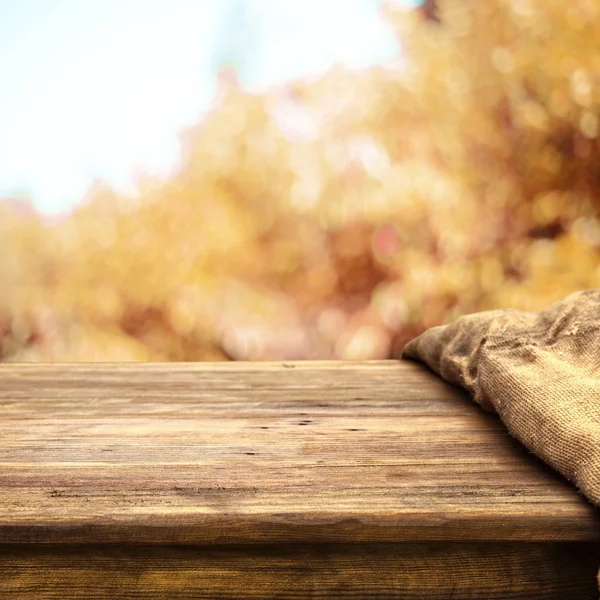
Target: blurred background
(289, 179)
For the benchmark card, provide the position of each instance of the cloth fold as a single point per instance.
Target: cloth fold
(540, 371)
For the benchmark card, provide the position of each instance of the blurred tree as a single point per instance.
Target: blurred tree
(430, 9)
(338, 217)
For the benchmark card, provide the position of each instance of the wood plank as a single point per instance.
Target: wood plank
(265, 453)
(500, 571)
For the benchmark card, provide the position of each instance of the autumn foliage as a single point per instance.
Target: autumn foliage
(337, 218)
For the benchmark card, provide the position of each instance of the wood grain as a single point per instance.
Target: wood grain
(246, 453)
(502, 571)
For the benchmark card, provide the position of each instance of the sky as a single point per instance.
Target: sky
(95, 89)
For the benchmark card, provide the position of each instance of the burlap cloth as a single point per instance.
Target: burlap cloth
(540, 371)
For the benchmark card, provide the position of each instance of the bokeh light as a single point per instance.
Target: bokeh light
(336, 215)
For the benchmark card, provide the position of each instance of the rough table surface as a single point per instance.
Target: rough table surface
(266, 453)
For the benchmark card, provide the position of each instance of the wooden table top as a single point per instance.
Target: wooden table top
(215, 453)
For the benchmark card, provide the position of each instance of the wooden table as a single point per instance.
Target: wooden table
(263, 480)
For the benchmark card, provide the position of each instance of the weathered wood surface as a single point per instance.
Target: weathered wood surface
(306, 480)
(503, 571)
(235, 453)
